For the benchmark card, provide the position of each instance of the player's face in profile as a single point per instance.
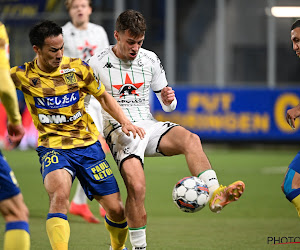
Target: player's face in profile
(80, 12)
(50, 55)
(295, 37)
(127, 45)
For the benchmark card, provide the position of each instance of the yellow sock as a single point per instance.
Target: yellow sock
(296, 202)
(118, 233)
(58, 231)
(17, 236)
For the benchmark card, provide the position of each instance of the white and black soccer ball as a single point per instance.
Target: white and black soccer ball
(190, 194)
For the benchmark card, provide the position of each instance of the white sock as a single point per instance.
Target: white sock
(138, 238)
(79, 197)
(210, 178)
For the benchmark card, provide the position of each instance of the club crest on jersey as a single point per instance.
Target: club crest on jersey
(70, 78)
(87, 49)
(128, 88)
(140, 63)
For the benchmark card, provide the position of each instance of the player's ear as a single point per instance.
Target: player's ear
(36, 49)
(116, 35)
(90, 10)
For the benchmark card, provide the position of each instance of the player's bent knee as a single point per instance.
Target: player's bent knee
(116, 213)
(193, 143)
(60, 200)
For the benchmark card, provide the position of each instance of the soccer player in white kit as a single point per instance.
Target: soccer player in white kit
(83, 39)
(128, 73)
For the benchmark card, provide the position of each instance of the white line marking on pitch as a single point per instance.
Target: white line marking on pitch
(274, 170)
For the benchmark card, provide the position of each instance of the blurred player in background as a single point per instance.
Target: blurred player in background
(82, 39)
(54, 87)
(128, 72)
(291, 183)
(12, 205)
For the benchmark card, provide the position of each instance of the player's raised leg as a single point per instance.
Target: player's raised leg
(291, 183)
(115, 221)
(178, 140)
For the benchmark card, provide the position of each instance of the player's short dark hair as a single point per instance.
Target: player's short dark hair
(296, 24)
(133, 21)
(43, 30)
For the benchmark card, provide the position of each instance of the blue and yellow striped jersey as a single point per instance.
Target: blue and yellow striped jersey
(56, 102)
(4, 48)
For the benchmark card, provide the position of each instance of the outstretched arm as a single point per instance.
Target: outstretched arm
(110, 105)
(292, 114)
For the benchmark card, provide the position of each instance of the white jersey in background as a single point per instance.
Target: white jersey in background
(129, 82)
(83, 44)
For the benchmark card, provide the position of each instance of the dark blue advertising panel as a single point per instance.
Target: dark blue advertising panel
(18, 11)
(234, 114)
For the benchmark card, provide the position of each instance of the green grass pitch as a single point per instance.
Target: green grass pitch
(261, 212)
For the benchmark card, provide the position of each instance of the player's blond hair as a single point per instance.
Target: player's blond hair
(68, 4)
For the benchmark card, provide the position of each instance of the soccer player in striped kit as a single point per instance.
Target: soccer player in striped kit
(54, 88)
(82, 40)
(128, 73)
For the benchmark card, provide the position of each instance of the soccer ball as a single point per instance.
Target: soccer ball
(190, 194)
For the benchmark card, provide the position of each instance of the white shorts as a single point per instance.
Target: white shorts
(123, 146)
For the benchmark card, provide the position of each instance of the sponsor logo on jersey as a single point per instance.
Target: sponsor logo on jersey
(128, 88)
(56, 102)
(108, 65)
(70, 78)
(64, 71)
(35, 81)
(58, 119)
(102, 54)
(125, 102)
(146, 55)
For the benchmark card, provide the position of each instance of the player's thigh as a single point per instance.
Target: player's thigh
(58, 182)
(14, 209)
(133, 175)
(296, 181)
(177, 140)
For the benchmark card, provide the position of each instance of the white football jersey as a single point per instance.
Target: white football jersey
(84, 43)
(129, 82)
